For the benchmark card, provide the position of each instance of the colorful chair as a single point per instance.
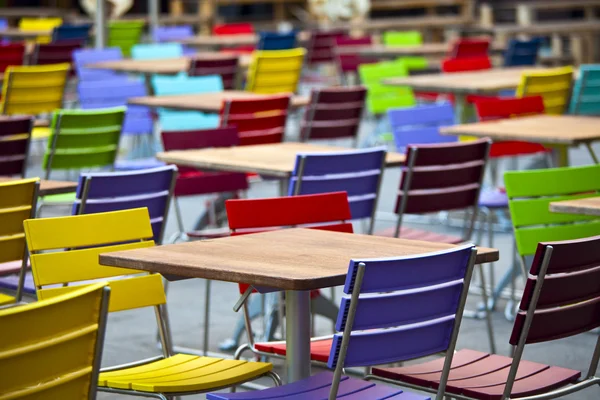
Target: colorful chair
(11, 54)
(275, 71)
(380, 97)
(522, 52)
(585, 99)
(386, 318)
(15, 135)
(54, 53)
(83, 238)
(469, 48)
(258, 121)
(333, 113)
(225, 66)
(80, 32)
(276, 41)
(18, 200)
(466, 64)
(238, 28)
(91, 56)
(156, 51)
(407, 39)
(320, 48)
(171, 120)
(548, 311)
(69, 328)
(348, 63)
(124, 34)
(165, 34)
(40, 24)
(554, 85)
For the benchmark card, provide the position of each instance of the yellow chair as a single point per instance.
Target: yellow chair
(34, 90)
(52, 349)
(275, 71)
(554, 85)
(40, 24)
(17, 203)
(85, 237)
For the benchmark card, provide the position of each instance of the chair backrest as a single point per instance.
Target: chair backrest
(275, 71)
(189, 181)
(183, 84)
(585, 99)
(450, 65)
(79, 32)
(356, 172)
(124, 34)
(40, 24)
(91, 56)
(276, 41)
(382, 97)
(114, 92)
(529, 194)
(405, 38)
(321, 47)
(155, 51)
(34, 89)
(470, 47)
(421, 124)
(522, 52)
(83, 139)
(240, 28)
(55, 53)
(224, 65)
(15, 135)
(11, 54)
(79, 240)
(113, 191)
(349, 62)
(162, 34)
(333, 113)
(554, 85)
(69, 328)
(258, 121)
(3, 23)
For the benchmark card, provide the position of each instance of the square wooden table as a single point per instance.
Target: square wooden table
(48, 188)
(205, 102)
(585, 206)
(294, 260)
(560, 131)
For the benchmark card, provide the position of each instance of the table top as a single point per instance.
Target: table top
(546, 129)
(275, 160)
(548, 28)
(206, 102)
(217, 41)
(48, 188)
(585, 206)
(425, 49)
(16, 33)
(288, 259)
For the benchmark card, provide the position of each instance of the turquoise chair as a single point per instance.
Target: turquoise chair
(156, 51)
(183, 84)
(585, 99)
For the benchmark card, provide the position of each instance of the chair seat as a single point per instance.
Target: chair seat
(319, 349)
(184, 373)
(317, 388)
(483, 376)
(6, 299)
(493, 198)
(419, 234)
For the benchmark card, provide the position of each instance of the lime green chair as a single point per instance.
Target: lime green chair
(380, 97)
(407, 39)
(125, 34)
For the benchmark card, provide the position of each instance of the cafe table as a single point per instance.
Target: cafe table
(216, 42)
(18, 34)
(293, 260)
(583, 206)
(560, 131)
(422, 50)
(48, 187)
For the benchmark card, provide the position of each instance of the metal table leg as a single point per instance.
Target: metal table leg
(297, 361)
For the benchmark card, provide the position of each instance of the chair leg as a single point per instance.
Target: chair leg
(280, 310)
(206, 316)
(240, 350)
(333, 300)
(488, 313)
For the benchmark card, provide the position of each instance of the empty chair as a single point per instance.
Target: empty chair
(3, 23)
(321, 47)
(554, 85)
(378, 323)
(420, 124)
(333, 113)
(470, 47)
(181, 84)
(276, 71)
(276, 41)
(124, 34)
(54, 53)
(407, 39)
(237, 28)
(466, 64)
(70, 328)
(522, 52)
(15, 135)
(161, 34)
(382, 97)
(585, 99)
(155, 51)
(11, 54)
(80, 32)
(347, 63)
(559, 300)
(224, 65)
(91, 56)
(258, 121)
(40, 24)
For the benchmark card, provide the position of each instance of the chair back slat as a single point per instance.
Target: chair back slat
(80, 32)
(402, 38)
(29, 24)
(585, 99)
(276, 41)
(15, 135)
(156, 51)
(162, 34)
(421, 124)
(11, 54)
(554, 85)
(380, 97)
(275, 71)
(476, 63)
(55, 53)
(470, 48)
(226, 67)
(240, 28)
(321, 46)
(83, 57)
(17, 203)
(522, 52)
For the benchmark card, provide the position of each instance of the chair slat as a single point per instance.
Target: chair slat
(12, 248)
(426, 201)
(536, 211)
(528, 238)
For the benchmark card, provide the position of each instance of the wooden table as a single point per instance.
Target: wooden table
(584, 206)
(276, 160)
(16, 33)
(205, 102)
(48, 188)
(560, 131)
(424, 50)
(294, 260)
(216, 42)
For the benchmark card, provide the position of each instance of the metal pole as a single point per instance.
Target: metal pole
(297, 360)
(100, 24)
(153, 11)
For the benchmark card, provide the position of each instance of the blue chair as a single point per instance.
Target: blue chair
(90, 56)
(72, 32)
(171, 120)
(276, 41)
(3, 23)
(163, 34)
(357, 172)
(421, 124)
(156, 51)
(522, 52)
(585, 99)
(395, 309)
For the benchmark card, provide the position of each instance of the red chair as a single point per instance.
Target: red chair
(450, 65)
(470, 47)
(348, 63)
(241, 28)
(11, 54)
(321, 47)
(55, 53)
(258, 121)
(226, 67)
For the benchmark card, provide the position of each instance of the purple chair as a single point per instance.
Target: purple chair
(15, 134)
(396, 309)
(90, 56)
(165, 34)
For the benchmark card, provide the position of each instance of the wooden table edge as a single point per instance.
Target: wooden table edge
(452, 131)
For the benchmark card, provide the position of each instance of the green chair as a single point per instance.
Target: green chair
(124, 34)
(380, 97)
(407, 39)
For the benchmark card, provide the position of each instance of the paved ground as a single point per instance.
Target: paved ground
(131, 334)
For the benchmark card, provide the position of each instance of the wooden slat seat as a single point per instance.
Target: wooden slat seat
(319, 349)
